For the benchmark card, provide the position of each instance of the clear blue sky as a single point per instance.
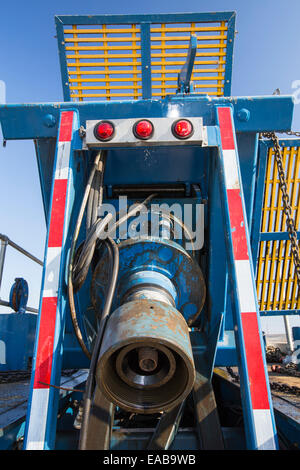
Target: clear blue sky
(266, 56)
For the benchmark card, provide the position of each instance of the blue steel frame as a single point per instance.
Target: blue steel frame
(266, 113)
(145, 22)
(62, 304)
(256, 235)
(249, 425)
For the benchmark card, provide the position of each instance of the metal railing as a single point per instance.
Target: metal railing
(5, 241)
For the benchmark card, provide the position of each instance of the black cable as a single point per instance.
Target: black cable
(84, 259)
(113, 253)
(72, 253)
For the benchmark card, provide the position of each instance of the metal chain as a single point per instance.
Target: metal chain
(297, 134)
(287, 209)
(276, 386)
(20, 375)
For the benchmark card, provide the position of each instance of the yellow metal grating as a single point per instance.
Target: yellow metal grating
(276, 280)
(169, 47)
(104, 61)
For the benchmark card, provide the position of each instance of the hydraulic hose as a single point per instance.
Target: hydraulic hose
(90, 384)
(72, 252)
(83, 262)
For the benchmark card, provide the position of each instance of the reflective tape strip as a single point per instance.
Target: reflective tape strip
(231, 169)
(43, 364)
(66, 126)
(38, 413)
(245, 294)
(237, 224)
(62, 165)
(37, 421)
(58, 213)
(52, 267)
(263, 425)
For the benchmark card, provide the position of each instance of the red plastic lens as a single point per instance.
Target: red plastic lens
(143, 129)
(182, 129)
(104, 130)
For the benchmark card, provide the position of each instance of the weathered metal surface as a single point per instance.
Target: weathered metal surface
(17, 340)
(100, 423)
(144, 323)
(164, 257)
(13, 403)
(166, 429)
(208, 424)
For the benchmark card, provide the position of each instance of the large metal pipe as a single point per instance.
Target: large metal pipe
(152, 330)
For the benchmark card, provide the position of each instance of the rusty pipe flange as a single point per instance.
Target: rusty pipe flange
(131, 371)
(137, 325)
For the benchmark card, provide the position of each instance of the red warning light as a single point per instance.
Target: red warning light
(143, 129)
(104, 131)
(182, 129)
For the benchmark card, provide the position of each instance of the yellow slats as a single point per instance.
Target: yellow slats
(277, 287)
(108, 59)
(103, 39)
(187, 38)
(101, 64)
(211, 93)
(202, 78)
(182, 54)
(107, 87)
(123, 87)
(101, 72)
(100, 30)
(153, 30)
(186, 46)
(197, 62)
(110, 48)
(101, 48)
(101, 95)
(102, 56)
(126, 79)
(208, 85)
(195, 71)
(190, 29)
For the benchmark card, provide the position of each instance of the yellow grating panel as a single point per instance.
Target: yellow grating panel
(104, 61)
(169, 47)
(276, 280)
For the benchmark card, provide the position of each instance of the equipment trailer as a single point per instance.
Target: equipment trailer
(165, 242)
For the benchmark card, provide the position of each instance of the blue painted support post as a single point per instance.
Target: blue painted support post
(146, 60)
(255, 391)
(43, 399)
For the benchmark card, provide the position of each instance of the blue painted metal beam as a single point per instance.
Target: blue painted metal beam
(271, 236)
(32, 121)
(278, 313)
(155, 18)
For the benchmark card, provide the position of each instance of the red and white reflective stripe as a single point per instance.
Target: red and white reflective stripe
(44, 356)
(262, 416)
